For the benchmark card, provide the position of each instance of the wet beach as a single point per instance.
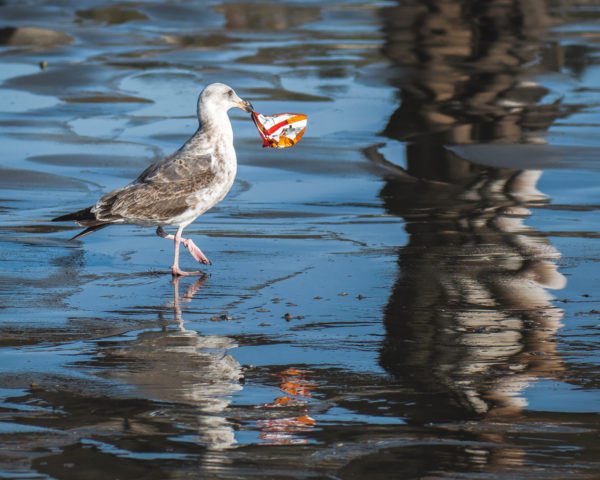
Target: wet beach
(409, 292)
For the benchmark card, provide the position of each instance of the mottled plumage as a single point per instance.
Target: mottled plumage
(180, 187)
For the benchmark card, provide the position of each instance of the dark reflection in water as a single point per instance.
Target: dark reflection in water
(466, 73)
(112, 15)
(470, 320)
(265, 16)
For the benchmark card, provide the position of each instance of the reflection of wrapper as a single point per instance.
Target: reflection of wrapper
(281, 130)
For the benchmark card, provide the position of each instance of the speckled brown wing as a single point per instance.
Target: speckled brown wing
(161, 192)
(150, 201)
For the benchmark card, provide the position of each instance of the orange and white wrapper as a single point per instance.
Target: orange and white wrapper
(281, 130)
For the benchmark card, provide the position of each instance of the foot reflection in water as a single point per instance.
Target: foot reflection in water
(182, 367)
(187, 297)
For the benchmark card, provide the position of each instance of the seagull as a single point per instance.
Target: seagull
(180, 187)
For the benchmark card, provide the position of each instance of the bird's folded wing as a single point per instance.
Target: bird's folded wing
(150, 201)
(178, 167)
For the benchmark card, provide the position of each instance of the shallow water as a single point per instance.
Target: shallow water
(409, 292)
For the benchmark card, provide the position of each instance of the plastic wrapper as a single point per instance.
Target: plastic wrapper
(281, 130)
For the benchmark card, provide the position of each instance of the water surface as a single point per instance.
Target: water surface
(409, 292)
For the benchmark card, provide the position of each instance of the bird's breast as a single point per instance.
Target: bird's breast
(215, 191)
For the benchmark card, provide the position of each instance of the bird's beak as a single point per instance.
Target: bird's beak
(245, 105)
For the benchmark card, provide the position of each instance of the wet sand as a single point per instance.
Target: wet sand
(409, 292)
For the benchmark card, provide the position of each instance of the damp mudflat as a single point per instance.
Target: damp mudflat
(409, 292)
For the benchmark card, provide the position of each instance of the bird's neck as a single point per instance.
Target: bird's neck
(213, 132)
(215, 123)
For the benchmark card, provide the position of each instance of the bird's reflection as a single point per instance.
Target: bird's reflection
(187, 297)
(470, 322)
(182, 367)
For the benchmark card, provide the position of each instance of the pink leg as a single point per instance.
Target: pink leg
(195, 251)
(189, 244)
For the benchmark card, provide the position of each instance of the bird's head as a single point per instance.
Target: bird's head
(218, 96)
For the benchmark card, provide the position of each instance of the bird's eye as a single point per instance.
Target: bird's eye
(230, 93)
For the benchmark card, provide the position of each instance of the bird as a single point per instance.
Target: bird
(177, 189)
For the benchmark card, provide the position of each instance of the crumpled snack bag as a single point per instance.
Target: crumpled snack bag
(281, 130)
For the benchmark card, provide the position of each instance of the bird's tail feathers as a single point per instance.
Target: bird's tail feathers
(89, 230)
(80, 216)
(83, 217)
